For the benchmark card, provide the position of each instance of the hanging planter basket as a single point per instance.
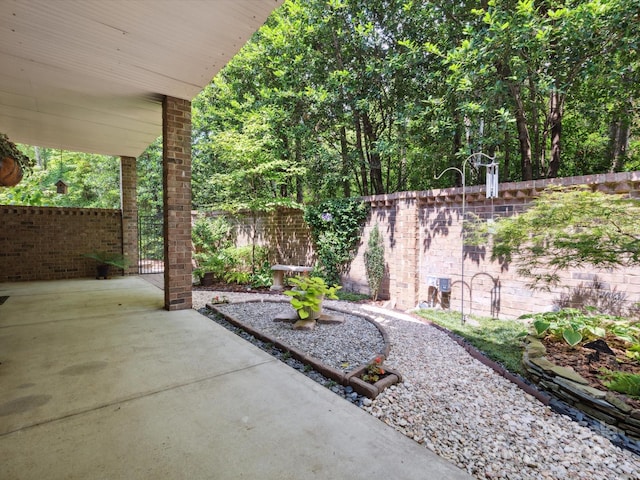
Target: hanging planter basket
(10, 172)
(13, 163)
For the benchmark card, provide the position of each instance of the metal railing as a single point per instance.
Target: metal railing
(150, 244)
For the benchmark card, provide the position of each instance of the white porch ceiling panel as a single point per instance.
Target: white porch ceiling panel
(89, 75)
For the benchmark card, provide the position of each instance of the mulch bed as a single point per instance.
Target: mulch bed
(590, 362)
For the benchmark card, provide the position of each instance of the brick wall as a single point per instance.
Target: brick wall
(128, 201)
(283, 231)
(490, 288)
(44, 243)
(422, 240)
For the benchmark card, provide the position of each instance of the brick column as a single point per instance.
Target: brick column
(176, 176)
(129, 206)
(404, 274)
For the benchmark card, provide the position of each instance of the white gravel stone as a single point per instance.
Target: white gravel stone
(461, 409)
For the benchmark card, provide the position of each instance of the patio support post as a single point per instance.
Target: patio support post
(129, 206)
(176, 177)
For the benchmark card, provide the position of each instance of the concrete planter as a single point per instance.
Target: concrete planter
(372, 390)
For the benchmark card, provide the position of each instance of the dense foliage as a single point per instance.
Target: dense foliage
(93, 180)
(335, 231)
(374, 261)
(352, 97)
(567, 228)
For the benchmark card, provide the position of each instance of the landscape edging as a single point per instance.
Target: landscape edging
(343, 378)
(597, 404)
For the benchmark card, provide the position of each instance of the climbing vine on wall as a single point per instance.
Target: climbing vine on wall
(336, 227)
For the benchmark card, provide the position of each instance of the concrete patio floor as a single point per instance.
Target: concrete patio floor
(97, 381)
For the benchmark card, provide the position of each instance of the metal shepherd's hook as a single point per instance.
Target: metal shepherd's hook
(478, 163)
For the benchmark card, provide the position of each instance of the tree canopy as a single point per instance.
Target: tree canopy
(354, 97)
(341, 98)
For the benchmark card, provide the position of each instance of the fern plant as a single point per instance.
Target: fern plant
(622, 382)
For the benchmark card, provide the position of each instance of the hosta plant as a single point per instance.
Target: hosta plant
(308, 294)
(569, 324)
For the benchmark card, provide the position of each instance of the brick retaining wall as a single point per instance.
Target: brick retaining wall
(45, 243)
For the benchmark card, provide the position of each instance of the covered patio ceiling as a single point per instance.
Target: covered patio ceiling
(90, 75)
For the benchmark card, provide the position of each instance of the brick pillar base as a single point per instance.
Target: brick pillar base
(176, 132)
(129, 206)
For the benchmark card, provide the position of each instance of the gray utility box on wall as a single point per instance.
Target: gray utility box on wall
(438, 291)
(444, 284)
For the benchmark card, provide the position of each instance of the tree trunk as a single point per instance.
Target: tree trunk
(524, 138)
(363, 164)
(619, 133)
(537, 152)
(300, 189)
(523, 134)
(375, 164)
(344, 154)
(507, 157)
(555, 121)
(38, 155)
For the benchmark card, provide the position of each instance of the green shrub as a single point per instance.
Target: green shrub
(263, 277)
(374, 262)
(248, 258)
(218, 264)
(211, 235)
(233, 264)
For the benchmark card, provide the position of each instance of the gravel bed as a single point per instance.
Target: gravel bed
(466, 413)
(326, 342)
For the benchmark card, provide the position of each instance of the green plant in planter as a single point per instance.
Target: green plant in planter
(106, 260)
(308, 295)
(113, 259)
(374, 371)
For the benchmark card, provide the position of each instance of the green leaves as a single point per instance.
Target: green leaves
(374, 261)
(573, 326)
(571, 336)
(541, 326)
(623, 382)
(335, 230)
(309, 293)
(567, 228)
(93, 181)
